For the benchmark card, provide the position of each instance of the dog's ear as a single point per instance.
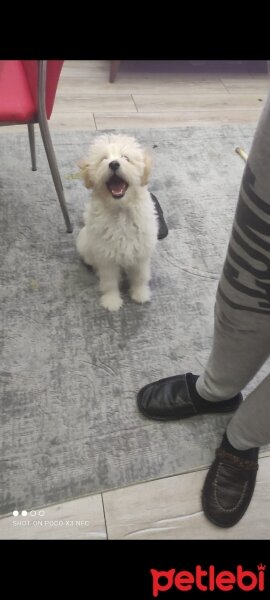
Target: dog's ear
(147, 168)
(84, 166)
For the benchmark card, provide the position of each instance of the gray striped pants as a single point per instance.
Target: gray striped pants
(241, 341)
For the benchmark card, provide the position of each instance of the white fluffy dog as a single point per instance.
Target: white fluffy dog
(121, 225)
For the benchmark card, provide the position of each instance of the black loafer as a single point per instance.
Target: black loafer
(176, 397)
(229, 487)
(162, 225)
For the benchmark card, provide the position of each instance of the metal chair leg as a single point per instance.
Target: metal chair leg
(31, 135)
(46, 137)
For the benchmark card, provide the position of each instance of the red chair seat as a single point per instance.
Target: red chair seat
(27, 93)
(16, 102)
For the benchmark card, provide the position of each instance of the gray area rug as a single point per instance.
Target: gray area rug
(69, 370)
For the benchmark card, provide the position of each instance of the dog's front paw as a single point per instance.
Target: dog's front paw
(112, 301)
(140, 294)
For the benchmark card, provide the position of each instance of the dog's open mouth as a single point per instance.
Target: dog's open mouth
(117, 186)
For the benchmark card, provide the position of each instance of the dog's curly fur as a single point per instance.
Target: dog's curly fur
(121, 225)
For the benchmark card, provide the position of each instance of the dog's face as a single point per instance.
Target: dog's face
(115, 165)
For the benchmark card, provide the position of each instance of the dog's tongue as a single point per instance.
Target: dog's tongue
(117, 186)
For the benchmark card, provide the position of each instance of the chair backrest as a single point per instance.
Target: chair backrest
(54, 68)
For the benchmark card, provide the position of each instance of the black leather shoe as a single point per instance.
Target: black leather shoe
(229, 487)
(176, 397)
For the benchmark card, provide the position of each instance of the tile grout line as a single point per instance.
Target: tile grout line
(222, 83)
(93, 114)
(183, 110)
(134, 103)
(104, 514)
(227, 88)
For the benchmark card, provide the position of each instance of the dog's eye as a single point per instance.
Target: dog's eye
(126, 157)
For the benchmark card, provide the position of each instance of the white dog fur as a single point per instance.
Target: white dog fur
(121, 225)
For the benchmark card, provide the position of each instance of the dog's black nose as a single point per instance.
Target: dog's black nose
(114, 165)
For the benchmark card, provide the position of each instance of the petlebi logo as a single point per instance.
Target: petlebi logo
(209, 579)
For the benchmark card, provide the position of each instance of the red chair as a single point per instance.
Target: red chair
(27, 93)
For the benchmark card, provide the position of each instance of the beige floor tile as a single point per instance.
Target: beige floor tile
(96, 103)
(178, 119)
(246, 86)
(72, 120)
(138, 84)
(171, 509)
(154, 103)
